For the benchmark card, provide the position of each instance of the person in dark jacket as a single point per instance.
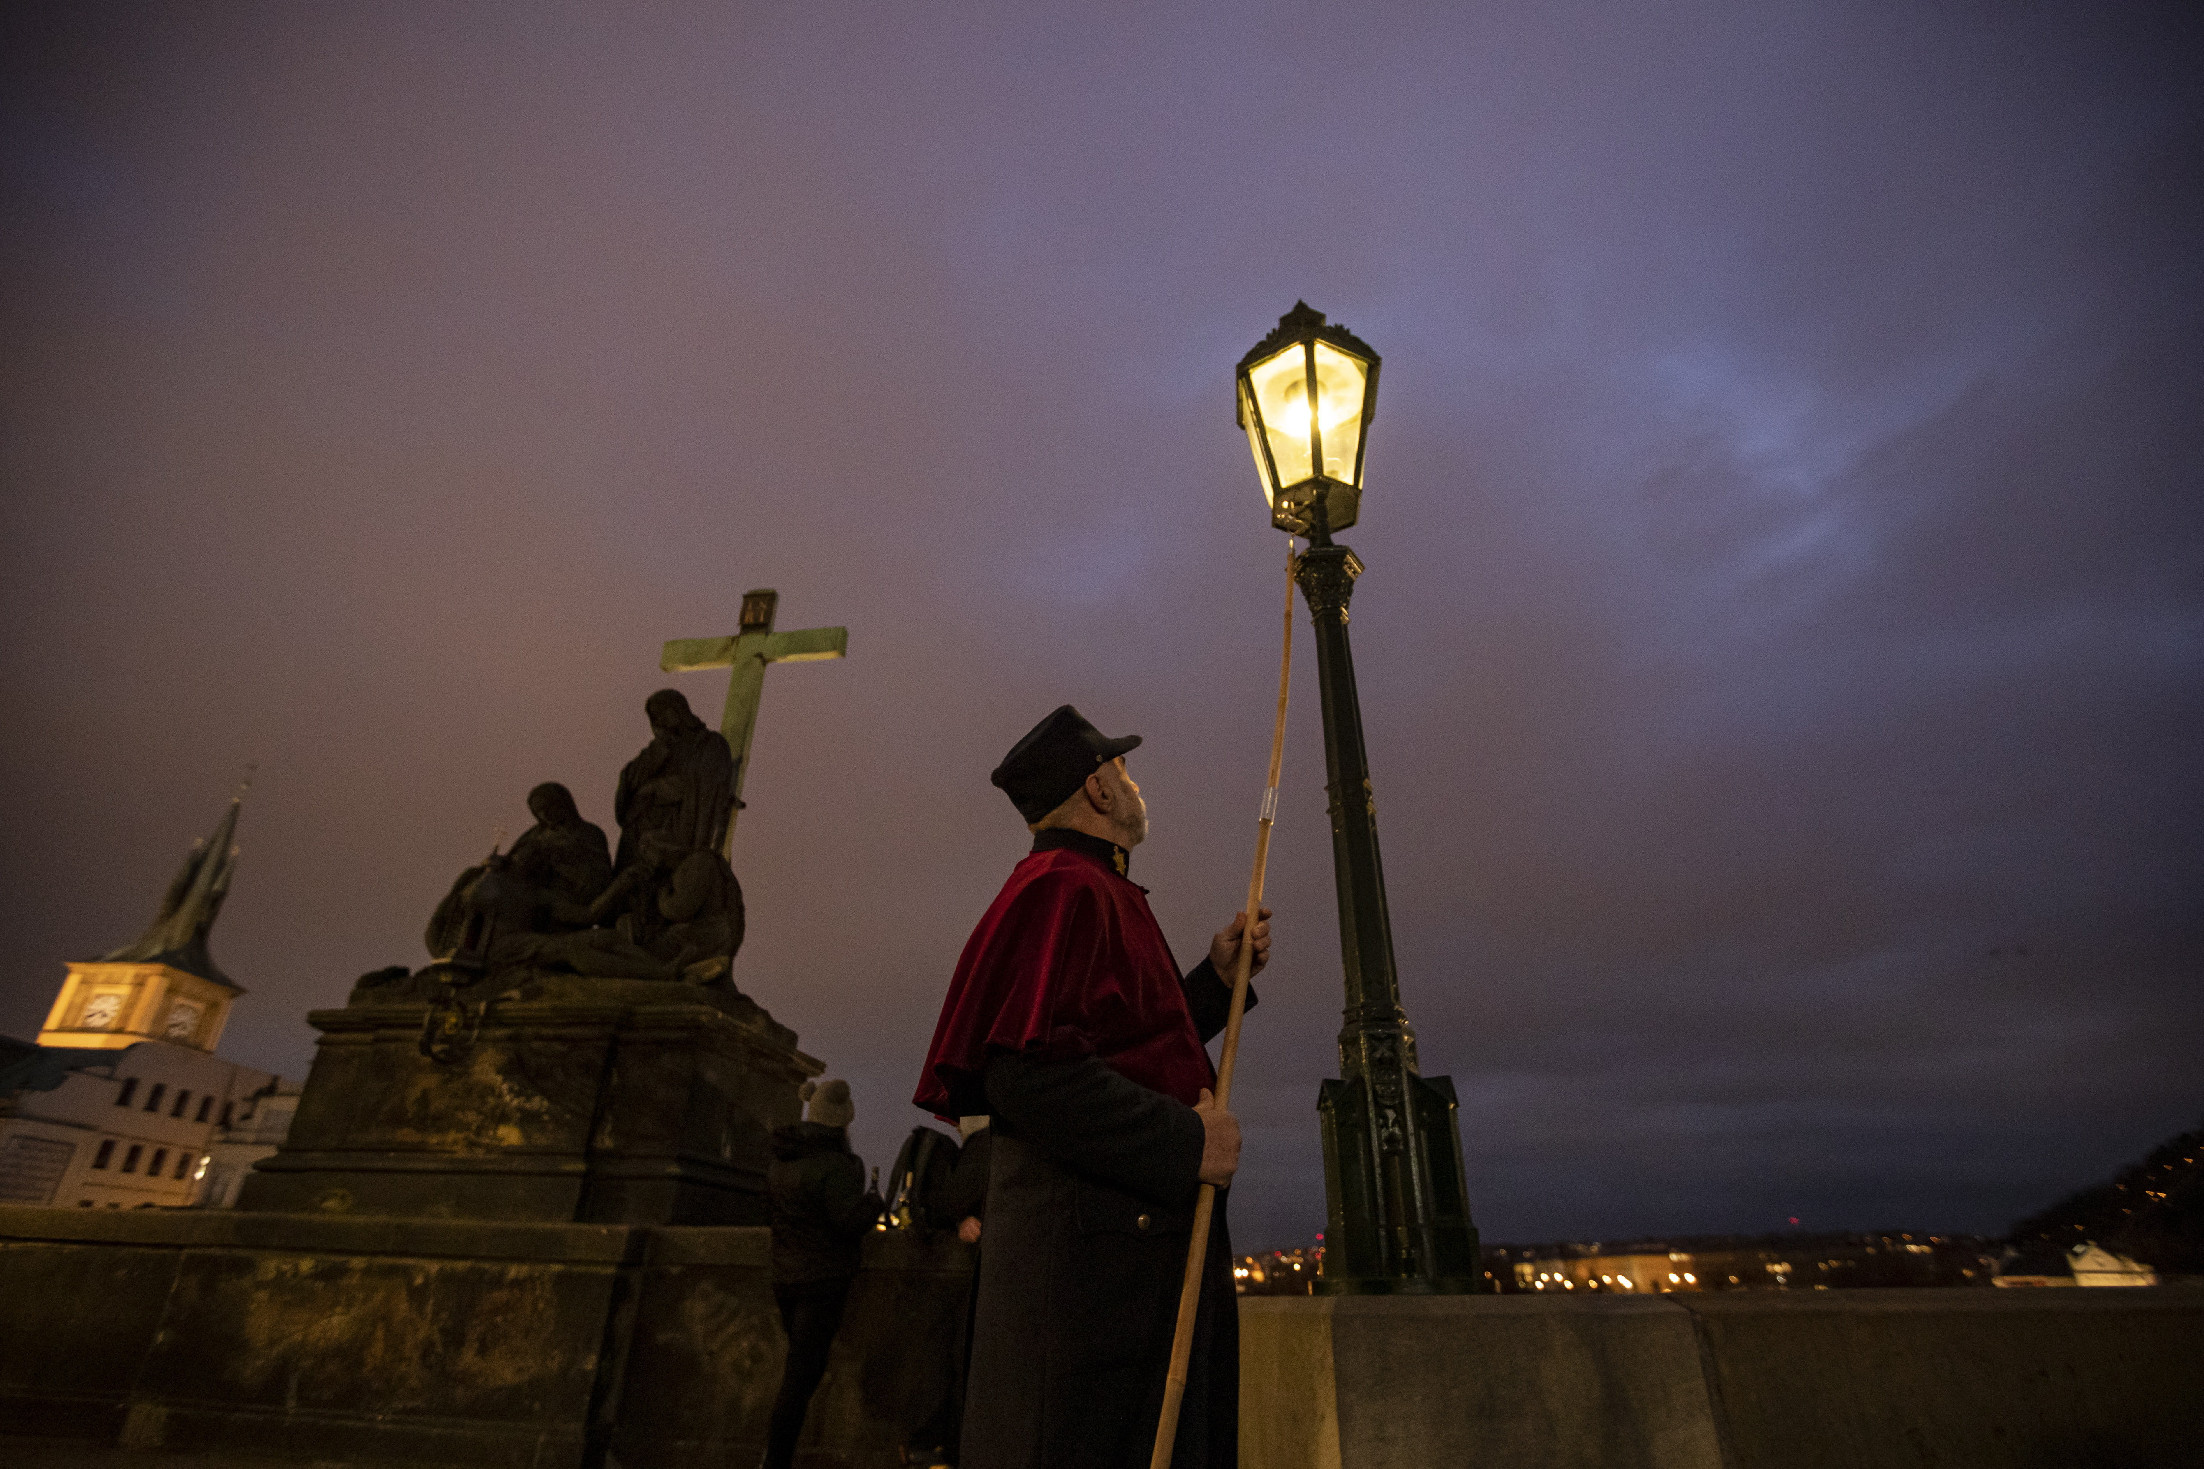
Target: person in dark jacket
(821, 1213)
(959, 1201)
(956, 1200)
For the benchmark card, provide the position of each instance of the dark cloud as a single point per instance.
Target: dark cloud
(1782, 637)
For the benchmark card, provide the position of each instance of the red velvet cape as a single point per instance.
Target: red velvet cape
(1068, 962)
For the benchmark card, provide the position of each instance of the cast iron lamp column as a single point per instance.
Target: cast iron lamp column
(1397, 1209)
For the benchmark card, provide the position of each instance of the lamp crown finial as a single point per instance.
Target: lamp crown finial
(1302, 322)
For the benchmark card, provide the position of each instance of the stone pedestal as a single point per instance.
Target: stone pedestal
(251, 1338)
(558, 1099)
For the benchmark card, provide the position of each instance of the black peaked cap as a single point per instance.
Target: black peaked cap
(1044, 769)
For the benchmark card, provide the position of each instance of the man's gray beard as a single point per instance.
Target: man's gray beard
(1131, 833)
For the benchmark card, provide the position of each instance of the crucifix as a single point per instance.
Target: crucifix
(747, 653)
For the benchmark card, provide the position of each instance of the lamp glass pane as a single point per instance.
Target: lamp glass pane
(1341, 380)
(1280, 385)
(1254, 423)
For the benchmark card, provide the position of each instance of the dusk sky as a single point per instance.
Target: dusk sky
(1782, 645)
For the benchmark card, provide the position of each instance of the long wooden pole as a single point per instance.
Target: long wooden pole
(1197, 1249)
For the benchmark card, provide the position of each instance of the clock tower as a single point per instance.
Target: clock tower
(166, 986)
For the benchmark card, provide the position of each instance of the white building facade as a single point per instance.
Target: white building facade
(123, 1103)
(147, 1125)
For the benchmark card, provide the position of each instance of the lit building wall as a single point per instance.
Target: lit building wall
(1623, 1274)
(1823, 1262)
(146, 1132)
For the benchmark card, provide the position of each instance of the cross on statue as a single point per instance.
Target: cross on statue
(747, 653)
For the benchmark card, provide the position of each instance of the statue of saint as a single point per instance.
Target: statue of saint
(674, 800)
(678, 793)
(564, 856)
(701, 905)
(533, 907)
(668, 908)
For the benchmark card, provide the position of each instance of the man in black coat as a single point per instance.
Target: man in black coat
(1070, 1023)
(821, 1212)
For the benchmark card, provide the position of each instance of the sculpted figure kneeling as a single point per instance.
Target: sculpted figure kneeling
(534, 907)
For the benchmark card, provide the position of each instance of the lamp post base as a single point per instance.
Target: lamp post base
(1399, 1221)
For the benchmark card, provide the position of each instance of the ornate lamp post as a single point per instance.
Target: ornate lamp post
(1398, 1212)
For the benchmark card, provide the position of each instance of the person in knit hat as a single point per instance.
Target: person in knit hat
(821, 1212)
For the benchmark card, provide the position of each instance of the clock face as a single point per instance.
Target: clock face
(183, 1021)
(100, 1011)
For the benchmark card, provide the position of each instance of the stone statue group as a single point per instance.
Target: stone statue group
(665, 906)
